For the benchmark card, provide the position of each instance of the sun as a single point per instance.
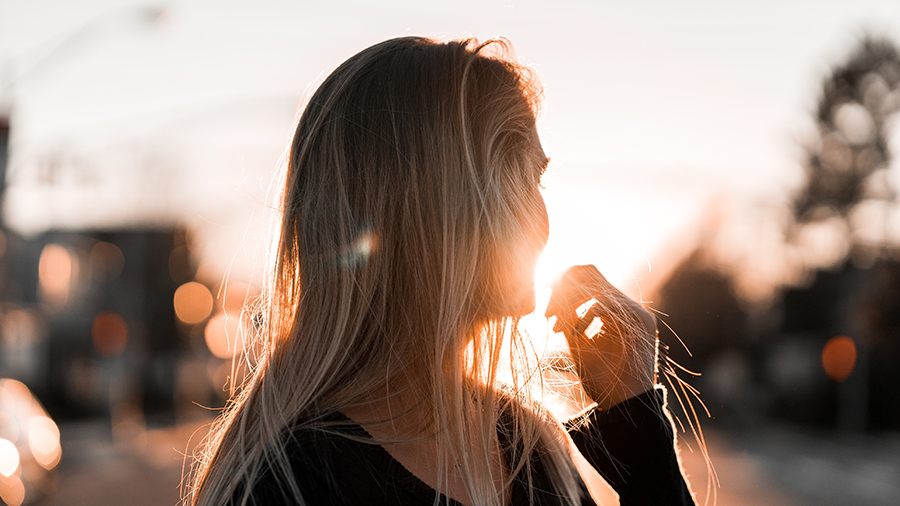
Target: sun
(612, 228)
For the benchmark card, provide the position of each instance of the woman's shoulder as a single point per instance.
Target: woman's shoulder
(333, 460)
(313, 455)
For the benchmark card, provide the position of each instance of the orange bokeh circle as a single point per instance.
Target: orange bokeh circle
(839, 357)
(109, 333)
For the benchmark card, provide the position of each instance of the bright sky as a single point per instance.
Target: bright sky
(652, 109)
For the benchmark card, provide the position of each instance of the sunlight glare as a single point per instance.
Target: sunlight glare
(616, 227)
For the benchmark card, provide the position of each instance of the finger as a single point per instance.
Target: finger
(578, 344)
(577, 285)
(583, 323)
(587, 276)
(637, 316)
(564, 322)
(631, 334)
(566, 299)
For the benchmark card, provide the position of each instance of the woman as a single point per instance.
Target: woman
(411, 224)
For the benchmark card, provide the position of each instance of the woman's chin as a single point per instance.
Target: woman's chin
(523, 305)
(515, 300)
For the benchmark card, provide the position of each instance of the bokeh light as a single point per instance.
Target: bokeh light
(12, 490)
(9, 457)
(223, 335)
(55, 273)
(19, 328)
(180, 269)
(839, 357)
(9, 428)
(234, 297)
(29, 444)
(109, 333)
(43, 440)
(107, 261)
(193, 302)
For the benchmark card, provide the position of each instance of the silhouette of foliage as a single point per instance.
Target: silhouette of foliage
(703, 310)
(852, 116)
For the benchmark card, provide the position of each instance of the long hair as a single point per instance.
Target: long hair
(409, 202)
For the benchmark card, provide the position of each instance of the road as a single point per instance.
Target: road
(775, 466)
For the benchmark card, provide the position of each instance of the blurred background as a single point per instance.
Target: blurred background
(735, 165)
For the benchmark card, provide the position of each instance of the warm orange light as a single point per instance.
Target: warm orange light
(43, 439)
(193, 302)
(107, 261)
(12, 490)
(9, 457)
(55, 273)
(234, 298)
(839, 357)
(15, 393)
(20, 328)
(109, 333)
(223, 335)
(7, 421)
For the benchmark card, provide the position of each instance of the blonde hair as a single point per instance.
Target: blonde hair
(413, 170)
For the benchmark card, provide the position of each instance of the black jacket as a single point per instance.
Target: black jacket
(631, 446)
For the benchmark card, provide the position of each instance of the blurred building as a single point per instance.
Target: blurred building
(822, 354)
(846, 326)
(88, 320)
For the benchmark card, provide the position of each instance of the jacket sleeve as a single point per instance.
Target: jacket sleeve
(632, 446)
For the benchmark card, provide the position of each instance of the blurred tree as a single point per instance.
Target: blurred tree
(846, 166)
(702, 309)
(702, 321)
(851, 146)
(878, 306)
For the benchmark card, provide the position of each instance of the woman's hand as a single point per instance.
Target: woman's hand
(619, 362)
